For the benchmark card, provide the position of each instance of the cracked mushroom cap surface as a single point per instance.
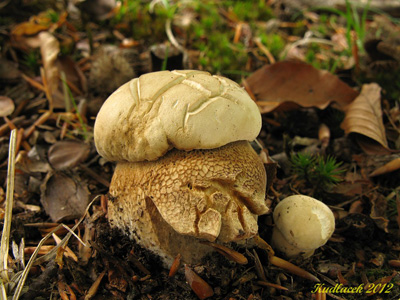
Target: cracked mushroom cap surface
(304, 222)
(186, 110)
(211, 194)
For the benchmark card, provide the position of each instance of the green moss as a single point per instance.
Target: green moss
(52, 15)
(210, 32)
(32, 60)
(249, 11)
(317, 171)
(274, 42)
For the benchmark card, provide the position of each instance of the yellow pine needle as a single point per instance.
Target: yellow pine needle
(284, 264)
(5, 237)
(95, 286)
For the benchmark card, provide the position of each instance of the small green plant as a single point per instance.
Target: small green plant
(53, 16)
(274, 42)
(355, 24)
(69, 99)
(32, 61)
(317, 171)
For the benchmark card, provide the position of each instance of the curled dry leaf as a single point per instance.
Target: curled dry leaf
(53, 67)
(64, 197)
(391, 166)
(68, 154)
(49, 49)
(38, 23)
(324, 135)
(32, 162)
(201, 288)
(364, 117)
(28, 28)
(378, 211)
(6, 106)
(291, 84)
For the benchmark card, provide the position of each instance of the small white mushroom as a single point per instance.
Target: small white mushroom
(302, 224)
(186, 171)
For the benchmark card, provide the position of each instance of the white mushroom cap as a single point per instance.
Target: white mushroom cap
(302, 224)
(186, 110)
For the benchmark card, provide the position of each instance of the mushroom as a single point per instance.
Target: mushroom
(186, 171)
(302, 224)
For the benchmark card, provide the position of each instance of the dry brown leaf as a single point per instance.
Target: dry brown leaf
(32, 161)
(8, 70)
(364, 117)
(75, 77)
(391, 166)
(28, 28)
(67, 154)
(378, 211)
(54, 65)
(64, 197)
(98, 9)
(49, 49)
(6, 106)
(291, 84)
(38, 23)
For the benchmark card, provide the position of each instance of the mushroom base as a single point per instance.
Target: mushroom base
(149, 230)
(168, 206)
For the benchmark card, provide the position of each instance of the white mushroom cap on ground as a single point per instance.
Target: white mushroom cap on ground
(186, 170)
(302, 224)
(186, 110)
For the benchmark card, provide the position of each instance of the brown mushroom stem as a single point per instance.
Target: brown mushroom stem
(169, 204)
